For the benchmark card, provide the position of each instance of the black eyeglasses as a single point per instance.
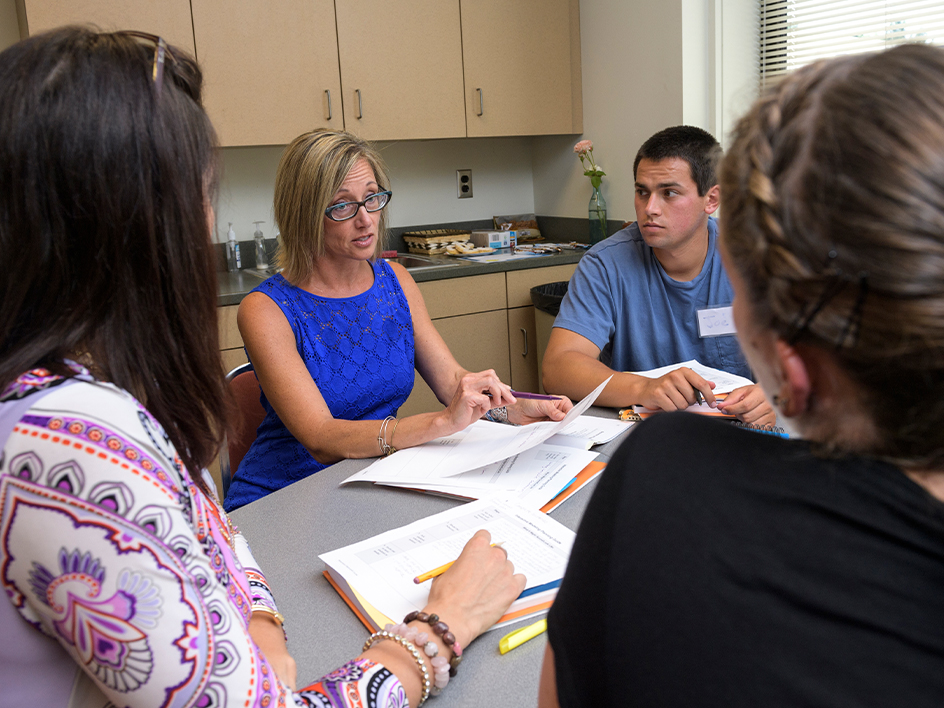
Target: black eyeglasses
(160, 52)
(347, 210)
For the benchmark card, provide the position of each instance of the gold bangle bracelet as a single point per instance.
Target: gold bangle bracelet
(392, 433)
(275, 614)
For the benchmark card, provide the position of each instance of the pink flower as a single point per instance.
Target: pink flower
(583, 147)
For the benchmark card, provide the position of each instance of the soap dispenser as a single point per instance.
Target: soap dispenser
(262, 260)
(233, 261)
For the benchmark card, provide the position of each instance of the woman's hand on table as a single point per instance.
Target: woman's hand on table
(269, 637)
(475, 592)
(531, 410)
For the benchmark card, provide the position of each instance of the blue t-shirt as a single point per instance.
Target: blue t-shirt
(622, 300)
(359, 351)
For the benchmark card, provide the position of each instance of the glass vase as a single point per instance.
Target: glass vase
(597, 216)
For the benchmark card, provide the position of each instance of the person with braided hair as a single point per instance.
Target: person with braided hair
(728, 568)
(636, 298)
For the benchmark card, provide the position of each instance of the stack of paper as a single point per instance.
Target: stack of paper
(532, 478)
(531, 464)
(375, 577)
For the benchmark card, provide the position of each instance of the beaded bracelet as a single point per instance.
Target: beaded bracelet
(431, 649)
(442, 629)
(406, 644)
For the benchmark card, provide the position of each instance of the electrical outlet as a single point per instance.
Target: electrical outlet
(464, 183)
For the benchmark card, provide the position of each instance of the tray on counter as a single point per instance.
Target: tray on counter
(434, 241)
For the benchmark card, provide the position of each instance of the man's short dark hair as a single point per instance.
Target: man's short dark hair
(696, 146)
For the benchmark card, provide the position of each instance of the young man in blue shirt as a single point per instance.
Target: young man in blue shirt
(634, 302)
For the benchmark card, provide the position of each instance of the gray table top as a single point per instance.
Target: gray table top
(287, 531)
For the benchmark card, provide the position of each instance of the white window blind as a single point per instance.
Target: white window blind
(797, 32)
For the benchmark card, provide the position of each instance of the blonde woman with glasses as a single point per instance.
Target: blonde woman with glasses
(336, 336)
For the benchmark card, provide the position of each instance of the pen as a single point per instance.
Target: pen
(520, 636)
(535, 396)
(436, 572)
(525, 394)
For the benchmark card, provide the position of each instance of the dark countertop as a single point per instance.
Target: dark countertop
(233, 287)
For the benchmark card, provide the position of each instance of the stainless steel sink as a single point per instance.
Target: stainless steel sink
(413, 261)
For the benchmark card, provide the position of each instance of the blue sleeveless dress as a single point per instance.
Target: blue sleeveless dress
(360, 353)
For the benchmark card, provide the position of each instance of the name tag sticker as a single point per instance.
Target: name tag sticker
(716, 322)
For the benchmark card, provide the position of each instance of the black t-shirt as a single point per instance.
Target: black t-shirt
(720, 567)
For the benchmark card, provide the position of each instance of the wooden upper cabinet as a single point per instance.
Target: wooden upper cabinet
(394, 70)
(522, 67)
(270, 69)
(169, 19)
(401, 68)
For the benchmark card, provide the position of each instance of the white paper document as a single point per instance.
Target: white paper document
(531, 478)
(479, 445)
(382, 568)
(593, 429)
(725, 382)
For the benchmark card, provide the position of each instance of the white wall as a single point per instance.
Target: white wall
(647, 64)
(631, 54)
(423, 179)
(739, 33)
(698, 63)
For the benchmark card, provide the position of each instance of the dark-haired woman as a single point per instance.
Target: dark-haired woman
(721, 567)
(124, 582)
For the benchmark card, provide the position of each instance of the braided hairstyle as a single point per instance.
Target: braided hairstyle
(833, 214)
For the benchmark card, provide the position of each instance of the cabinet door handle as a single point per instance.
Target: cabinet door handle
(481, 101)
(328, 97)
(360, 108)
(524, 336)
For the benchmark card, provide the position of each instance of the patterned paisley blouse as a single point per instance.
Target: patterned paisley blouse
(126, 586)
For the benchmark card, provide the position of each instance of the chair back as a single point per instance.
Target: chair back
(249, 416)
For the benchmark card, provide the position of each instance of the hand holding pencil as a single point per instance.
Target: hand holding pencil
(474, 592)
(436, 572)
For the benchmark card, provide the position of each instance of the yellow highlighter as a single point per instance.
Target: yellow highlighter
(520, 636)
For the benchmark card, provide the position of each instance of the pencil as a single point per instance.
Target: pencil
(436, 572)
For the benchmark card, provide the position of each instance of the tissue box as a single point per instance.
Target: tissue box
(493, 239)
